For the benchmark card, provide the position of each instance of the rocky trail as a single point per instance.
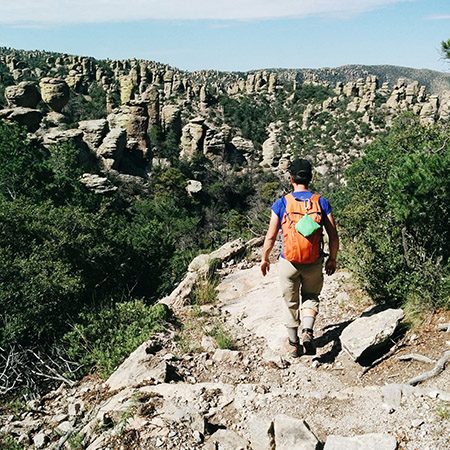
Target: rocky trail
(180, 391)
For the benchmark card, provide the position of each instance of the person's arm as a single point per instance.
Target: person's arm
(333, 238)
(269, 242)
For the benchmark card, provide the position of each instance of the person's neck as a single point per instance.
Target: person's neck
(300, 187)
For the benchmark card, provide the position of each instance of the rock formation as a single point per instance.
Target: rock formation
(55, 93)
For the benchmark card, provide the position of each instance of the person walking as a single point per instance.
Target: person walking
(301, 216)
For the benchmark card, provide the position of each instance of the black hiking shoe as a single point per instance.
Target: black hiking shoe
(309, 347)
(295, 349)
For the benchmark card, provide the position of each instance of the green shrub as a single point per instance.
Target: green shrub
(222, 337)
(8, 443)
(103, 339)
(394, 214)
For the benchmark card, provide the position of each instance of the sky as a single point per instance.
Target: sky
(236, 35)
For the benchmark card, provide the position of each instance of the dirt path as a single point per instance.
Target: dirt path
(329, 391)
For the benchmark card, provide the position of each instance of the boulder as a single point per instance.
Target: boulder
(193, 187)
(55, 93)
(192, 138)
(368, 333)
(201, 262)
(94, 131)
(112, 148)
(24, 94)
(40, 440)
(371, 441)
(57, 136)
(270, 151)
(261, 432)
(138, 368)
(151, 97)
(214, 144)
(242, 145)
(134, 119)
(273, 80)
(28, 117)
(97, 184)
(53, 119)
(127, 88)
(293, 434)
(227, 356)
(171, 119)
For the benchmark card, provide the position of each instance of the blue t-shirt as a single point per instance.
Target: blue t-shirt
(279, 207)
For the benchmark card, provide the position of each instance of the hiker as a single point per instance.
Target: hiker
(301, 215)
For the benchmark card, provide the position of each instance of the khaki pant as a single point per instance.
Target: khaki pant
(296, 279)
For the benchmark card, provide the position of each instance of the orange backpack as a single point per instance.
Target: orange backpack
(297, 248)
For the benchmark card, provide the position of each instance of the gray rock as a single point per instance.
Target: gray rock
(64, 427)
(227, 356)
(171, 118)
(112, 148)
(371, 441)
(24, 94)
(30, 118)
(392, 395)
(53, 119)
(293, 434)
(261, 432)
(369, 332)
(138, 368)
(192, 138)
(270, 151)
(134, 119)
(94, 131)
(57, 136)
(243, 145)
(208, 343)
(193, 187)
(75, 408)
(226, 440)
(55, 93)
(40, 440)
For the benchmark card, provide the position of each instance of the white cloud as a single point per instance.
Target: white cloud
(439, 17)
(91, 11)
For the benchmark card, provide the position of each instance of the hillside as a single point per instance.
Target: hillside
(263, 117)
(132, 198)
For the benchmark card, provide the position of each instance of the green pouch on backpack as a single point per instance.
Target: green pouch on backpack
(306, 226)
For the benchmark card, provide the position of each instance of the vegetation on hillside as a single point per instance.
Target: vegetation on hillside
(75, 265)
(394, 215)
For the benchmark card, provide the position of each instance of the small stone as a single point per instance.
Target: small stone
(75, 408)
(416, 423)
(227, 356)
(40, 440)
(198, 437)
(64, 427)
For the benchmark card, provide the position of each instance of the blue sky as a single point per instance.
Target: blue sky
(235, 34)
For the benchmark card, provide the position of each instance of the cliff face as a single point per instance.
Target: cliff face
(132, 114)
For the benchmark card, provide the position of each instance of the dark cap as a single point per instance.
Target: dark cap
(300, 167)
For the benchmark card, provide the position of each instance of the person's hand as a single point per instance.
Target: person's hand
(265, 267)
(330, 266)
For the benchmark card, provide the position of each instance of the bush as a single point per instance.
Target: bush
(105, 338)
(222, 337)
(395, 212)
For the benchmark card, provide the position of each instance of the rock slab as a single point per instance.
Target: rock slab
(293, 434)
(371, 441)
(369, 332)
